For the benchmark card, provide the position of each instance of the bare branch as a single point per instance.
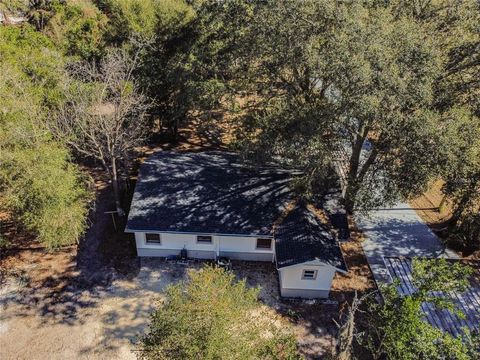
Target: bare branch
(104, 115)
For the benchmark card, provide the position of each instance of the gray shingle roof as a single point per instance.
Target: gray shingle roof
(208, 192)
(301, 238)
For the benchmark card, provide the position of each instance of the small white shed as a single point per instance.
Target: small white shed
(307, 255)
(308, 280)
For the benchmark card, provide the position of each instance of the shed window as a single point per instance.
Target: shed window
(151, 238)
(309, 274)
(204, 239)
(264, 243)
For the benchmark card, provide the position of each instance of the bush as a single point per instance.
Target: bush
(467, 232)
(45, 192)
(212, 316)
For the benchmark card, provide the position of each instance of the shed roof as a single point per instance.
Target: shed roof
(208, 192)
(467, 302)
(301, 237)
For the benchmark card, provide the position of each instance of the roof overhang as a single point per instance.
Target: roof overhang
(132, 231)
(314, 262)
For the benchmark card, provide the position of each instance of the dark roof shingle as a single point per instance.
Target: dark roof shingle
(208, 192)
(301, 238)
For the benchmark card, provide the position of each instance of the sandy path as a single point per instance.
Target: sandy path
(102, 324)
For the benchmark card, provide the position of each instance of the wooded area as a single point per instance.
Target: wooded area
(299, 81)
(390, 87)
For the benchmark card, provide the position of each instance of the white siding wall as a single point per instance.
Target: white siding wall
(243, 246)
(291, 277)
(173, 241)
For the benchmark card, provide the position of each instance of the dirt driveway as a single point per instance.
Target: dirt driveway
(97, 323)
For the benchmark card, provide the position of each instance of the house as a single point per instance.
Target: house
(213, 204)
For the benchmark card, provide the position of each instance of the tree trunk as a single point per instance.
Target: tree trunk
(116, 190)
(174, 129)
(442, 203)
(350, 196)
(347, 331)
(351, 188)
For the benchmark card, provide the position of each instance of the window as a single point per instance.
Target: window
(151, 238)
(264, 243)
(204, 239)
(309, 274)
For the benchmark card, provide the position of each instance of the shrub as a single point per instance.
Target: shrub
(212, 316)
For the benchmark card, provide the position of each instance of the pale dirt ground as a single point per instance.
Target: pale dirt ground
(105, 322)
(98, 323)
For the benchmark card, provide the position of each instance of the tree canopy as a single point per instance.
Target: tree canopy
(38, 180)
(387, 90)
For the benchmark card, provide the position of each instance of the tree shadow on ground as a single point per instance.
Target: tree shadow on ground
(400, 237)
(60, 282)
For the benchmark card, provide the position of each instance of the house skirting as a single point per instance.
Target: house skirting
(197, 254)
(248, 256)
(304, 293)
(205, 254)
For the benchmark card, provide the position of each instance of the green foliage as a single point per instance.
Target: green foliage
(45, 191)
(461, 173)
(313, 77)
(139, 18)
(38, 182)
(467, 231)
(456, 27)
(439, 276)
(13, 5)
(79, 29)
(337, 75)
(192, 58)
(212, 316)
(33, 58)
(397, 329)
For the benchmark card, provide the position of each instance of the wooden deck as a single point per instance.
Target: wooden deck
(468, 302)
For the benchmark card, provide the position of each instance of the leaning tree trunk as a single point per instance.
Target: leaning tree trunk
(347, 330)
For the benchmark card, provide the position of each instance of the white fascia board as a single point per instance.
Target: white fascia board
(127, 230)
(315, 262)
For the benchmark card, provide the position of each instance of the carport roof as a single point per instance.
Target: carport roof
(468, 302)
(302, 238)
(208, 192)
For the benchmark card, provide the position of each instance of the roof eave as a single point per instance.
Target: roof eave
(129, 230)
(343, 271)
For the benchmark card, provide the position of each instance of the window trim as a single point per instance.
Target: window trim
(203, 241)
(314, 277)
(263, 248)
(150, 242)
